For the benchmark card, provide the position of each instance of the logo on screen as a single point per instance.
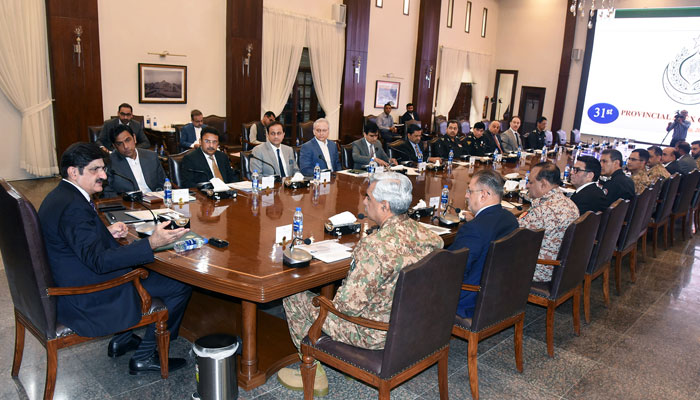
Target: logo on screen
(603, 113)
(681, 78)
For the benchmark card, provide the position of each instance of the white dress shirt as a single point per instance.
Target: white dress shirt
(135, 166)
(326, 154)
(370, 149)
(197, 135)
(580, 188)
(284, 163)
(211, 160)
(81, 190)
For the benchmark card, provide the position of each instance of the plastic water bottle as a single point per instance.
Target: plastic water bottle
(298, 142)
(372, 166)
(162, 151)
(567, 171)
(444, 197)
(556, 148)
(298, 225)
(544, 153)
(317, 173)
(154, 122)
(168, 193)
(520, 151)
(255, 178)
(189, 244)
(495, 156)
(527, 177)
(147, 124)
(450, 157)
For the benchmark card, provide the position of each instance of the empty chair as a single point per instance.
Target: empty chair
(391, 147)
(548, 138)
(174, 164)
(502, 296)
(569, 269)
(346, 160)
(662, 212)
(245, 164)
(306, 131)
(562, 136)
(245, 135)
(31, 288)
(681, 209)
(599, 263)
(646, 217)
(418, 332)
(575, 136)
(627, 242)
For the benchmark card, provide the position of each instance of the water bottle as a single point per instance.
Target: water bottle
(317, 173)
(527, 177)
(255, 178)
(567, 171)
(298, 142)
(495, 156)
(147, 124)
(168, 193)
(372, 166)
(544, 153)
(154, 122)
(520, 151)
(444, 197)
(162, 151)
(189, 244)
(450, 157)
(298, 225)
(556, 148)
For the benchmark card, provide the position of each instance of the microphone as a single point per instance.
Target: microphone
(361, 216)
(401, 151)
(136, 194)
(263, 161)
(517, 207)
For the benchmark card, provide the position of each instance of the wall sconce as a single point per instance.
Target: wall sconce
(429, 75)
(246, 61)
(356, 64)
(77, 48)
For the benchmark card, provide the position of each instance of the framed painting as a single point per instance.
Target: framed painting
(160, 83)
(386, 92)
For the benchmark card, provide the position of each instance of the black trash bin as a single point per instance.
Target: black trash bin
(215, 369)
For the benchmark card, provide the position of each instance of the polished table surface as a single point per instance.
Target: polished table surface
(250, 268)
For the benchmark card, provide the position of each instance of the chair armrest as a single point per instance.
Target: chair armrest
(326, 306)
(556, 263)
(134, 276)
(471, 288)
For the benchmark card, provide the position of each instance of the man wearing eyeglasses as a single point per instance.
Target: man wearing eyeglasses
(273, 157)
(207, 162)
(125, 117)
(584, 177)
(636, 165)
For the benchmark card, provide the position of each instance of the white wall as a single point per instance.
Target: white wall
(312, 8)
(11, 140)
(391, 50)
(196, 29)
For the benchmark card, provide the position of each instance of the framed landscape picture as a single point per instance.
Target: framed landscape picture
(160, 83)
(386, 92)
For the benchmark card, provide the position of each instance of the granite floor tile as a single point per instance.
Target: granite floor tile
(428, 379)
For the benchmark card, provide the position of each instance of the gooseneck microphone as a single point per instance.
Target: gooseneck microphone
(263, 161)
(517, 207)
(135, 195)
(136, 187)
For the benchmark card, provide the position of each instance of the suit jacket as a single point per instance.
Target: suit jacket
(510, 140)
(81, 251)
(187, 136)
(686, 164)
(490, 141)
(673, 167)
(406, 152)
(141, 139)
(195, 168)
(619, 186)
(267, 153)
(309, 156)
(407, 116)
(360, 153)
(590, 198)
(150, 166)
(490, 224)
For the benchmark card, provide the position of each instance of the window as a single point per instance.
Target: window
(302, 105)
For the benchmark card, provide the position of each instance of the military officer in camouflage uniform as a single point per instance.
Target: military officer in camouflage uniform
(476, 143)
(636, 165)
(656, 169)
(368, 289)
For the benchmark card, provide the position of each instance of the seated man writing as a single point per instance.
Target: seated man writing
(368, 148)
(368, 289)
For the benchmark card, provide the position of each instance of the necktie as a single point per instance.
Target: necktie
(371, 150)
(417, 149)
(92, 204)
(279, 160)
(517, 138)
(217, 173)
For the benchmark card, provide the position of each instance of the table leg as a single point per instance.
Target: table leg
(249, 376)
(328, 291)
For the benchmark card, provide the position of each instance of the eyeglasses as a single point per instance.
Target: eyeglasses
(469, 191)
(634, 159)
(125, 114)
(576, 170)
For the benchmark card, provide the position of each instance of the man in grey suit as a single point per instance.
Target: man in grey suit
(273, 157)
(131, 168)
(123, 118)
(510, 139)
(369, 146)
(686, 162)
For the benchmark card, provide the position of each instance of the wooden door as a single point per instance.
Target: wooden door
(531, 104)
(462, 105)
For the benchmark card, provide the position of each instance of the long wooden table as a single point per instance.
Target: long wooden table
(234, 281)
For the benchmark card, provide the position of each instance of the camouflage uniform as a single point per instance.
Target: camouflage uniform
(554, 212)
(641, 180)
(368, 290)
(476, 146)
(658, 171)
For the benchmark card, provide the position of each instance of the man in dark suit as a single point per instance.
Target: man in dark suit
(409, 149)
(192, 132)
(207, 162)
(584, 176)
(124, 118)
(319, 150)
(363, 150)
(686, 162)
(490, 222)
(131, 168)
(409, 115)
(83, 251)
(618, 185)
(669, 157)
(537, 138)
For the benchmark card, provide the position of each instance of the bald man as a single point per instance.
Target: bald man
(491, 137)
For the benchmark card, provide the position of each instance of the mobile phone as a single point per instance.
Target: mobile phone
(218, 242)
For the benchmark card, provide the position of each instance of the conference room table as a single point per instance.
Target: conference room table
(233, 283)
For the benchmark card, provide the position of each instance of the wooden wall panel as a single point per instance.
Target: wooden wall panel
(426, 58)
(353, 92)
(243, 27)
(77, 90)
(564, 68)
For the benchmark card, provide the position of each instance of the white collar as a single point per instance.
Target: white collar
(580, 188)
(84, 193)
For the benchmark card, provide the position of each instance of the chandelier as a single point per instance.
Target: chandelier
(607, 6)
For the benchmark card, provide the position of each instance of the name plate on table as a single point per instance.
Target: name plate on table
(267, 182)
(434, 202)
(421, 166)
(181, 195)
(283, 232)
(325, 176)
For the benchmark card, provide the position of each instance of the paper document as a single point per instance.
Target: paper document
(327, 251)
(347, 172)
(509, 206)
(439, 230)
(161, 195)
(146, 215)
(245, 186)
(219, 185)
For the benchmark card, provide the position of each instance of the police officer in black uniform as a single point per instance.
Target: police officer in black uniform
(476, 142)
(442, 147)
(536, 138)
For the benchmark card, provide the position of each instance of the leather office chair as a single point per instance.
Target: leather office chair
(569, 268)
(245, 164)
(219, 123)
(174, 163)
(601, 255)
(432, 147)
(662, 213)
(440, 124)
(646, 218)
(393, 145)
(346, 156)
(245, 134)
(502, 296)
(627, 242)
(34, 295)
(695, 208)
(424, 304)
(681, 208)
(297, 150)
(94, 133)
(306, 131)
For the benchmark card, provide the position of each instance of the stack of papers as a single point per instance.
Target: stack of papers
(146, 215)
(161, 195)
(327, 251)
(245, 186)
(508, 205)
(439, 230)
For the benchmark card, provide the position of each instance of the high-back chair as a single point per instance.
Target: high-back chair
(656, 187)
(502, 296)
(662, 213)
(569, 268)
(681, 208)
(34, 295)
(245, 164)
(346, 156)
(629, 235)
(391, 147)
(417, 335)
(174, 164)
